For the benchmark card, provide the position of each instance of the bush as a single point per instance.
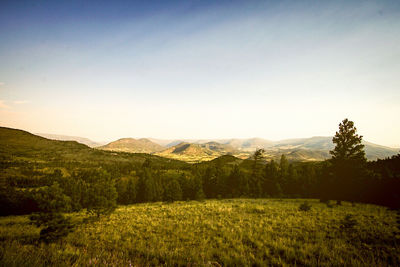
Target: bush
(329, 204)
(56, 227)
(173, 191)
(348, 222)
(52, 202)
(305, 206)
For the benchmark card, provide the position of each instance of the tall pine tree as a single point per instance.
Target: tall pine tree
(348, 162)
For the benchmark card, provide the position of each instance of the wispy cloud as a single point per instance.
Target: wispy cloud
(1, 83)
(18, 102)
(3, 104)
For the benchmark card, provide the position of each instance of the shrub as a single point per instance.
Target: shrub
(305, 206)
(55, 227)
(329, 204)
(52, 202)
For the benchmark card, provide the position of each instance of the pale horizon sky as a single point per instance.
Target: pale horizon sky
(105, 70)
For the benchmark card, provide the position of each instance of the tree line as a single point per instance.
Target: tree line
(347, 176)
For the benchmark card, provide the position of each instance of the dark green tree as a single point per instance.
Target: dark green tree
(348, 146)
(197, 188)
(255, 181)
(292, 184)
(271, 185)
(101, 194)
(210, 182)
(235, 182)
(173, 191)
(52, 202)
(348, 162)
(147, 191)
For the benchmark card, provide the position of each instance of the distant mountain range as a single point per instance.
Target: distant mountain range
(78, 139)
(195, 150)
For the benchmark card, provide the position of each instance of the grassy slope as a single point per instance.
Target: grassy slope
(230, 232)
(18, 145)
(189, 152)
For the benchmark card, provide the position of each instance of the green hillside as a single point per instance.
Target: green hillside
(20, 147)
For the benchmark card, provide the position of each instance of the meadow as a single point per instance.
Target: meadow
(230, 232)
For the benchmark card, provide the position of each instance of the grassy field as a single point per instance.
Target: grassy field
(239, 232)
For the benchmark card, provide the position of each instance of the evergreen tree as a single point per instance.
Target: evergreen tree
(101, 194)
(271, 185)
(131, 190)
(234, 182)
(198, 193)
(210, 182)
(348, 146)
(256, 176)
(122, 190)
(283, 166)
(173, 191)
(292, 186)
(348, 162)
(283, 173)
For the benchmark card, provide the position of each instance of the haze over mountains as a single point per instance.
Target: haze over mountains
(195, 150)
(78, 139)
(301, 149)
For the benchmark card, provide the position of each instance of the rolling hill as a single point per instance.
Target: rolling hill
(299, 149)
(132, 145)
(192, 152)
(21, 148)
(189, 152)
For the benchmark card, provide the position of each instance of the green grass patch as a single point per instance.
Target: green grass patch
(232, 232)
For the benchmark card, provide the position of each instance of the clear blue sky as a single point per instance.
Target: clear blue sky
(201, 69)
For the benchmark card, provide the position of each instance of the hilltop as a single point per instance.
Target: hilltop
(189, 152)
(132, 145)
(195, 152)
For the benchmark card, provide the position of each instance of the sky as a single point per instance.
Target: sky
(201, 69)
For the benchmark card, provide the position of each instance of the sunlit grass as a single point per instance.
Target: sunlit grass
(237, 232)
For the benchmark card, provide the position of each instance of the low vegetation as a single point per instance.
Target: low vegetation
(231, 232)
